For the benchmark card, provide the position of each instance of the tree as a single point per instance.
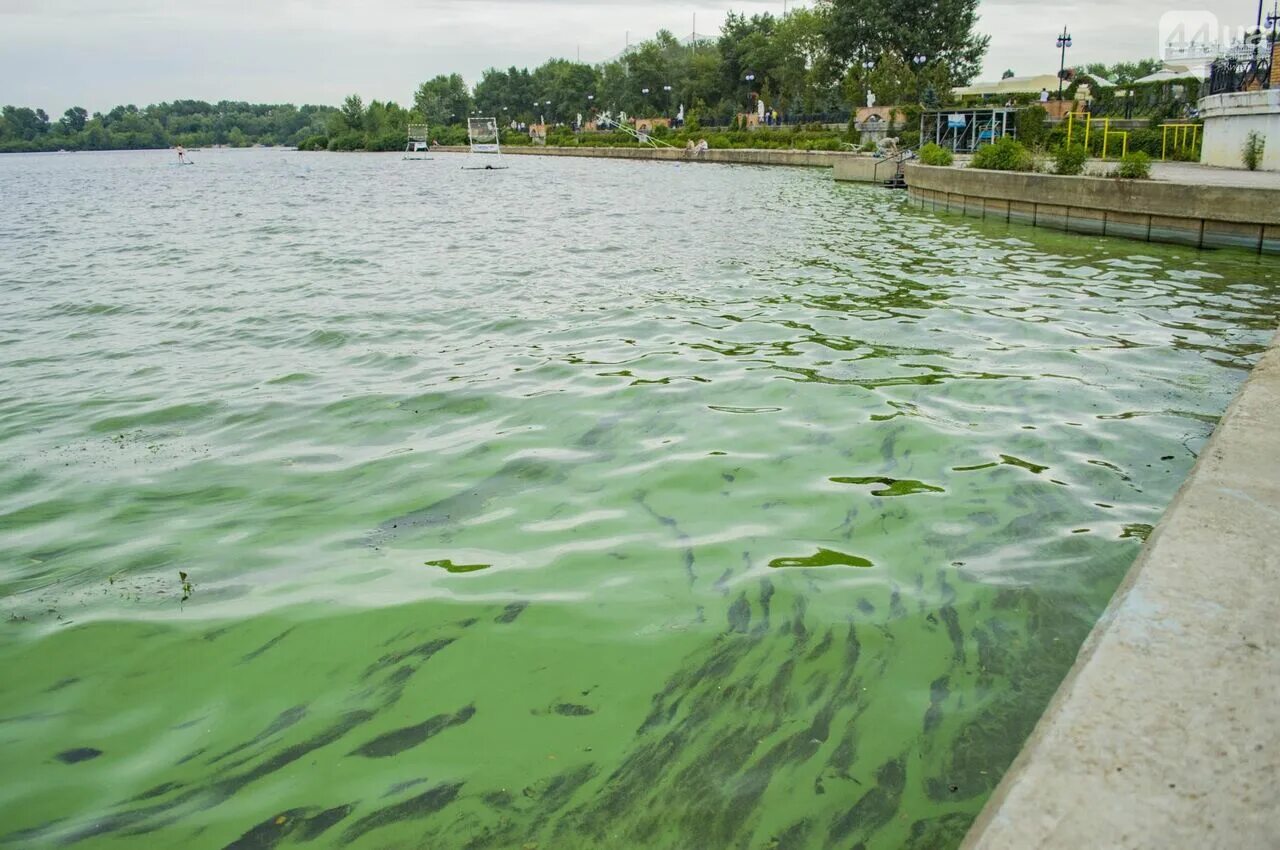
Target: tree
(443, 100)
(803, 68)
(23, 123)
(746, 47)
(507, 94)
(353, 112)
(566, 84)
(1123, 72)
(940, 30)
(1008, 72)
(892, 80)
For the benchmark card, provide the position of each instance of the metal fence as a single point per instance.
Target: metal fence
(1232, 74)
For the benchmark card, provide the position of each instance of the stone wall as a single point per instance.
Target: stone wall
(1201, 216)
(808, 159)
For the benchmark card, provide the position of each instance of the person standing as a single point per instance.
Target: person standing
(182, 155)
(1044, 95)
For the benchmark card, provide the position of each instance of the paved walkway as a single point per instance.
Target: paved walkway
(1195, 174)
(1190, 173)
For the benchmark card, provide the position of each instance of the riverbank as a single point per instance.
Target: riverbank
(853, 165)
(1164, 733)
(1200, 211)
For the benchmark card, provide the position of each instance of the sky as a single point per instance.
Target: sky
(99, 53)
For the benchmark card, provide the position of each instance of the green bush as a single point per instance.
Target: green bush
(388, 140)
(1251, 154)
(314, 143)
(1070, 160)
(909, 138)
(1148, 141)
(932, 154)
(350, 141)
(1134, 166)
(1006, 154)
(1032, 129)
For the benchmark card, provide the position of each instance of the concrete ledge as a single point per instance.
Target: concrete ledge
(1202, 216)
(1166, 732)
(860, 168)
(739, 156)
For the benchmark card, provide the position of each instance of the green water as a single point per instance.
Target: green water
(584, 504)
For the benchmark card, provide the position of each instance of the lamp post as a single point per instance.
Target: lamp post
(867, 65)
(750, 78)
(1064, 41)
(667, 96)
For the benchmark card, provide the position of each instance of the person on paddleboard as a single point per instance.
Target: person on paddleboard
(182, 155)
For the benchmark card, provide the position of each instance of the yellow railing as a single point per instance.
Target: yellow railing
(1180, 134)
(1107, 133)
(1071, 121)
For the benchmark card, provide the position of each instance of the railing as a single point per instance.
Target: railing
(897, 159)
(1232, 74)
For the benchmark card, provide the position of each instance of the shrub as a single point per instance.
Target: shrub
(388, 140)
(1252, 151)
(314, 143)
(1007, 154)
(349, 141)
(1031, 125)
(932, 154)
(1134, 166)
(1148, 141)
(1070, 160)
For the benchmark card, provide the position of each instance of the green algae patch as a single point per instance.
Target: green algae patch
(822, 558)
(446, 564)
(891, 486)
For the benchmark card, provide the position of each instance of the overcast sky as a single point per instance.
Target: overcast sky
(99, 53)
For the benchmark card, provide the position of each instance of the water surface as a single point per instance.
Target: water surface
(583, 504)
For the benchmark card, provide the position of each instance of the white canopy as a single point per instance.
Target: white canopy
(1172, 71)
(1012, 85)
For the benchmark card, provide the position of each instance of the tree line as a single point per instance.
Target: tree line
(193, 123)
(815, 62)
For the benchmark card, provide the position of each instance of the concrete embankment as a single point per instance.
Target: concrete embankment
(849, 162)
(1204, 216)
(1166, 732)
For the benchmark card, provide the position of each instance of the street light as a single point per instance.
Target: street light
(1064, 41)
(749, 78)
(919, 59)
(867, 65)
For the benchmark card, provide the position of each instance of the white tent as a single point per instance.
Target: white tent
(1011, 85)
(1171, 71)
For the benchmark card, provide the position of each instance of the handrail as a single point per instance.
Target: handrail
(897, 159)
(646, 139)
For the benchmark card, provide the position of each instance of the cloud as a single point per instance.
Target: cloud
(59, 53)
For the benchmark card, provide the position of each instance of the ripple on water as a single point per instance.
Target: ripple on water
(562, 522)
